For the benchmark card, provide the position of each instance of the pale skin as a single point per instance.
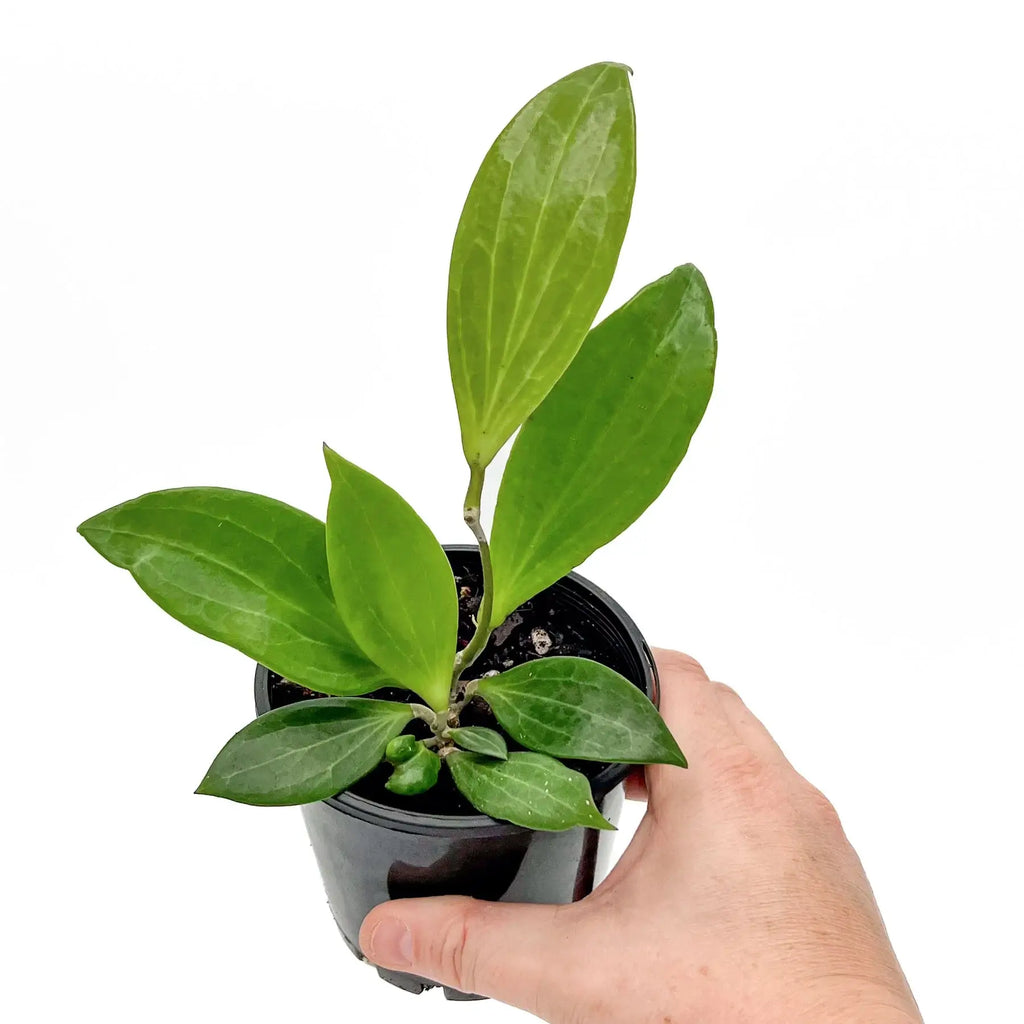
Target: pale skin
(739, 901)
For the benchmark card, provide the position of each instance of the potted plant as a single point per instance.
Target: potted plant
(460, 720)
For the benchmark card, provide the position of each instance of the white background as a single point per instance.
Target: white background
(224, 235)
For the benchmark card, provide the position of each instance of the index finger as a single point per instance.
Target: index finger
(694, 715)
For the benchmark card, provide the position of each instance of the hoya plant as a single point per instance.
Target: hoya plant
(367, 600)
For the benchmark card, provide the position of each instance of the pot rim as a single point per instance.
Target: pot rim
(397, 819)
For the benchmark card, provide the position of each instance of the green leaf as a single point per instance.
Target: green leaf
(572, 707)
(535, 250)
(481, 741)
(305, 752)
(243, 569)
(392, 581)
(608, 438)
(415, 775)
(532, 790)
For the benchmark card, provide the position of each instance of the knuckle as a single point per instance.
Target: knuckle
(675, 661)
(821, 808)
(456, 962)
(724, 690)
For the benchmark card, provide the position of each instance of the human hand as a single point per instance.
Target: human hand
(738, 900)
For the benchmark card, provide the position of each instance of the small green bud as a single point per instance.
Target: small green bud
(415, 775)
(401, 748)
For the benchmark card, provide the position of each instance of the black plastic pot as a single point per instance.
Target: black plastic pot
(369, 852)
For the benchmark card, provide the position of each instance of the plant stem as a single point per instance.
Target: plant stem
(438, 723)
(471, 514)
(428, 715)
(467, 696)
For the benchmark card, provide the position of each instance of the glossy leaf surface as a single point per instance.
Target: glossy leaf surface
(243, 569)
(416, 774)
(481, 740)
(392, 581)
(401, 748)
(573, 707)
(608, 438)
(305, 752)
(535, 250)
(528, 789)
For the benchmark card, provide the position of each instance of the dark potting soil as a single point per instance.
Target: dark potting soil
(546, 625)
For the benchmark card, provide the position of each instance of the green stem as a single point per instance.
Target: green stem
(456, 706)
(433, 718)
(471, 514)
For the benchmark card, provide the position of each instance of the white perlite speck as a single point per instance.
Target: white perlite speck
(541, 640)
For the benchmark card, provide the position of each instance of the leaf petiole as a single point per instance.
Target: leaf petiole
(467, 695)
(471, 514)
(428, 715)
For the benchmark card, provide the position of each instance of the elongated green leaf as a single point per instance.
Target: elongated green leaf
(532, 790)
(535, 250)
(481, 741)
(243, 569)
(608, 438)
(392, 581)
(305, 752)
(573, 707)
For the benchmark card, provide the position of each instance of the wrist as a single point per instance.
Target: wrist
(859, 1004)
(861, 1010)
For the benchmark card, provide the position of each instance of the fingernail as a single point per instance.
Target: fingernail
(391, 944)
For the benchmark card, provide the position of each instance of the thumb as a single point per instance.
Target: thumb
(504, 950)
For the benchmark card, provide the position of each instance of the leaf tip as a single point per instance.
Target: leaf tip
(95, 533)
(205, 788)
(88, 526)
(674, 754)
(609, 65)
(212, 785)
(335, 463)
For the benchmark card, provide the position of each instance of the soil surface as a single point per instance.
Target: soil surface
(547, 625)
